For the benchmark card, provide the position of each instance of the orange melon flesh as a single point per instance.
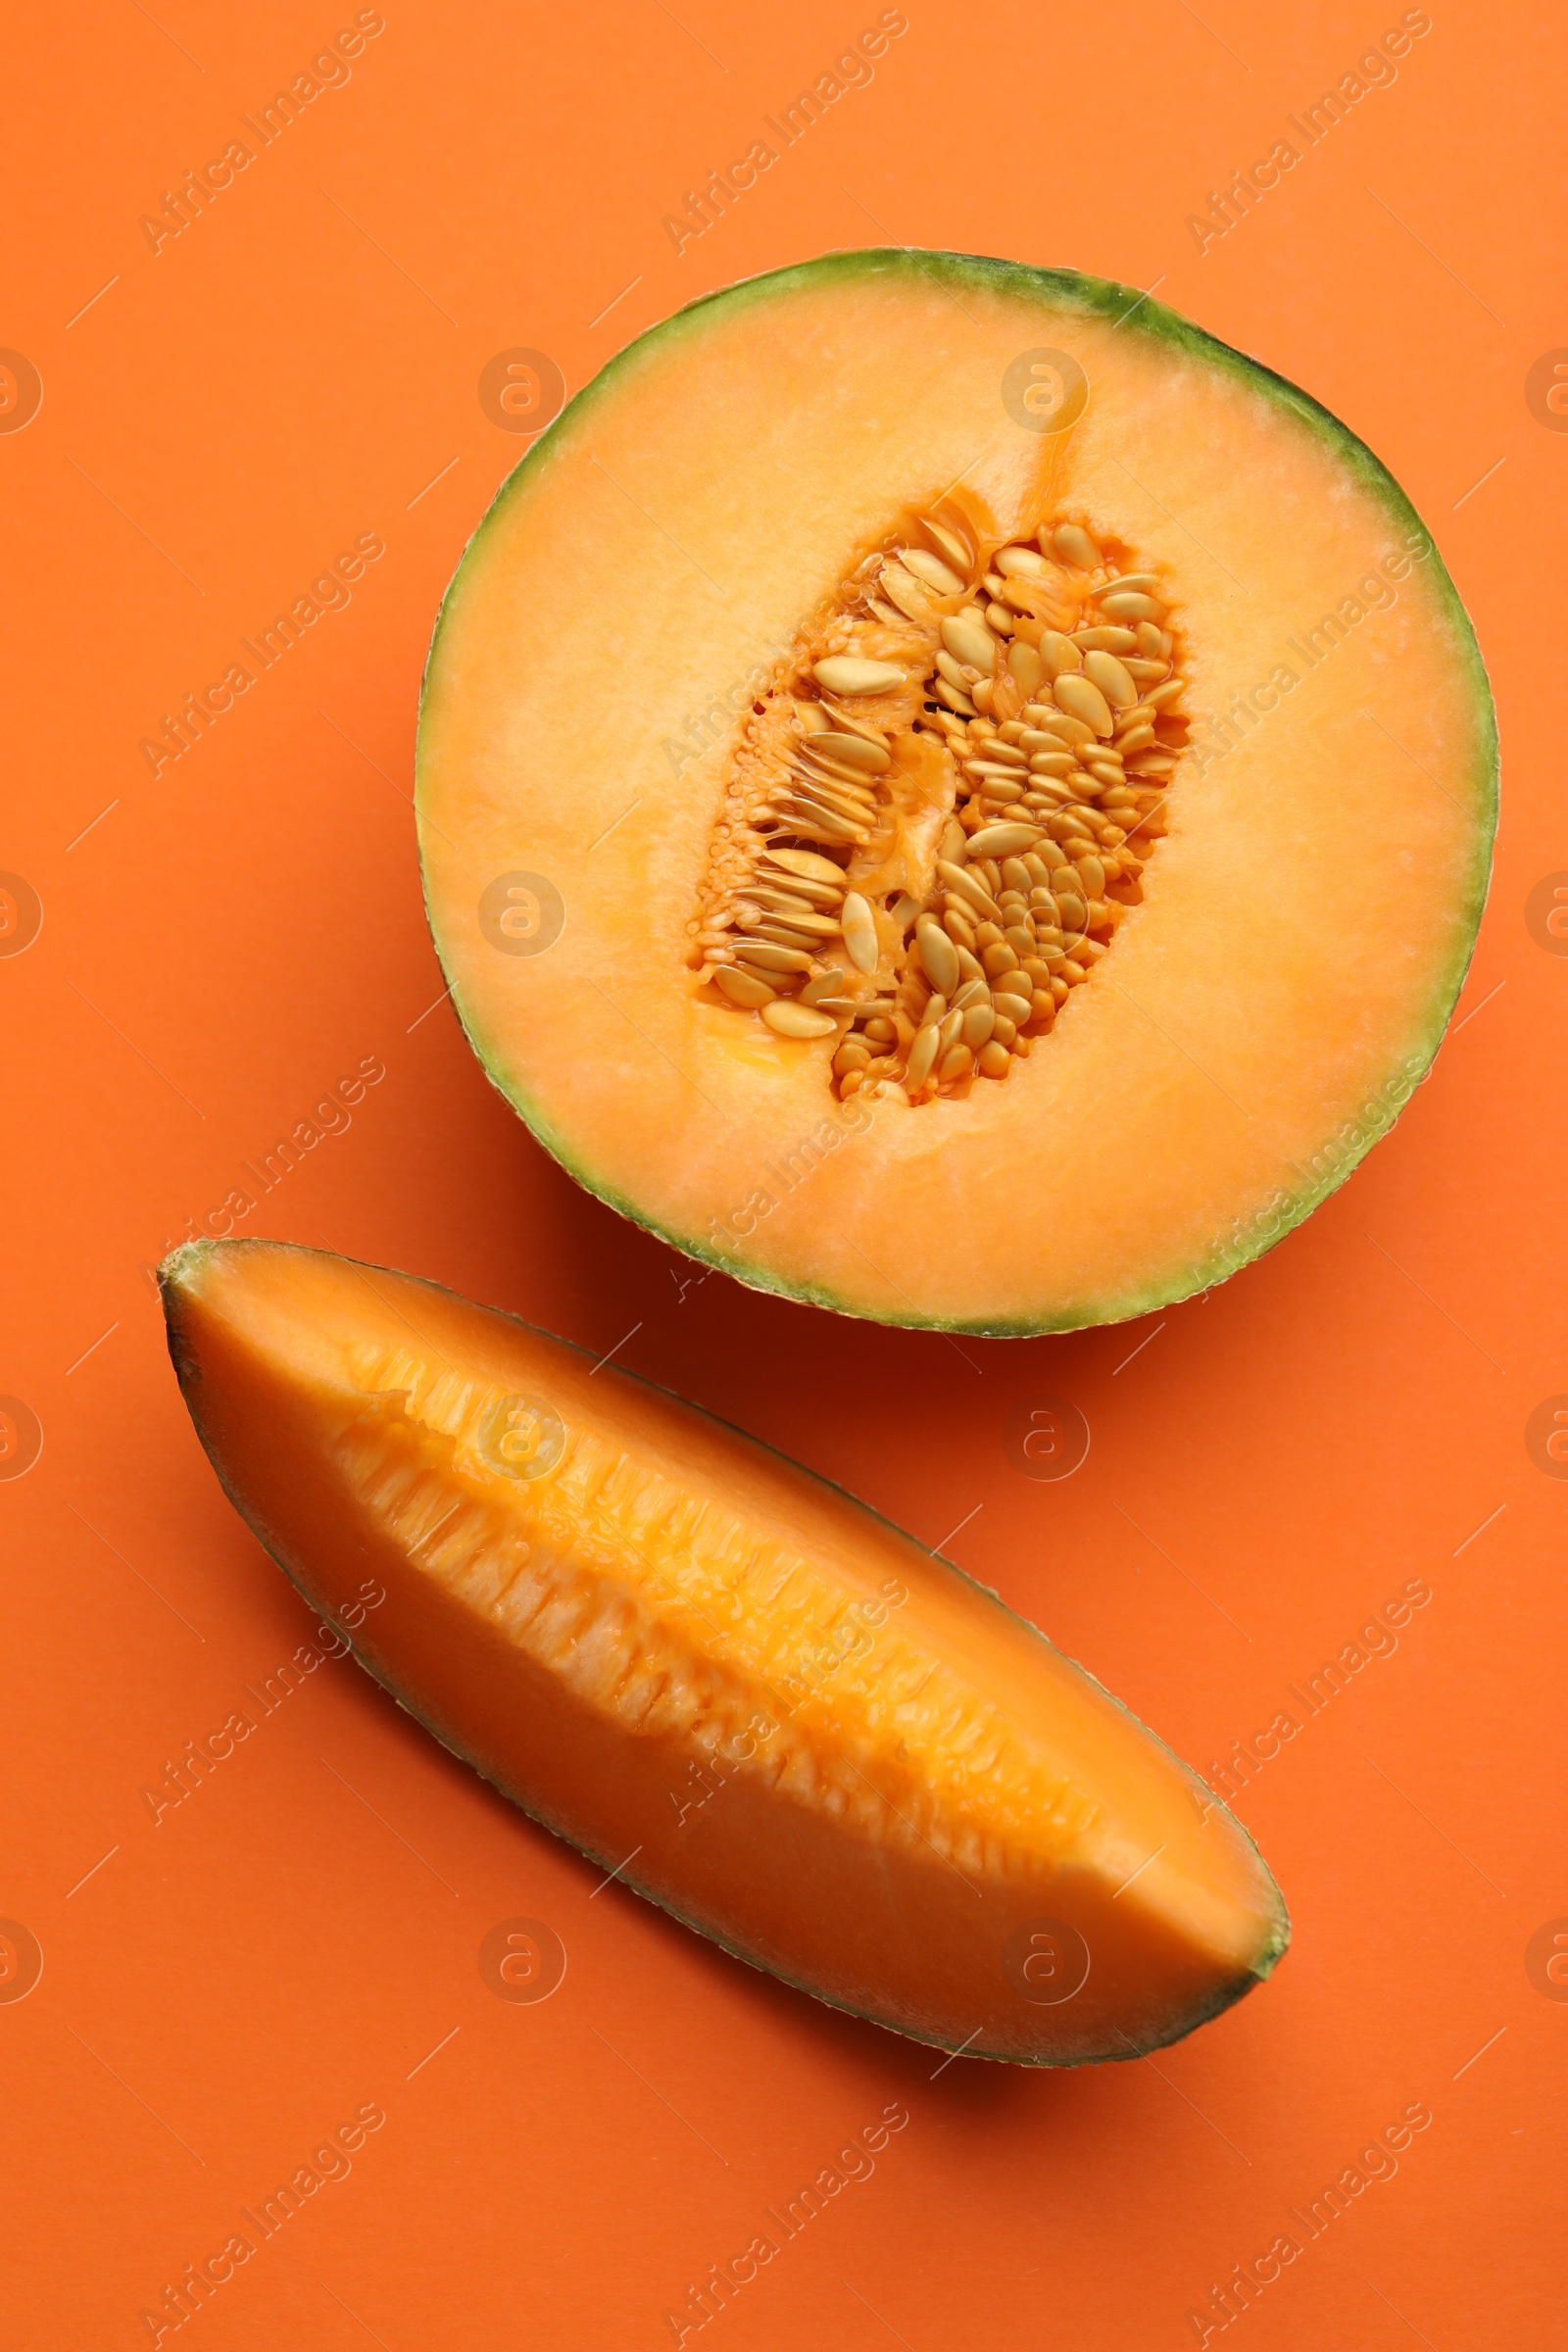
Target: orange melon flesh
(764, 1707)
(1306, 927)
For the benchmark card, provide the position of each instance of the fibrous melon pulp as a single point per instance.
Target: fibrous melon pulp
(950, 794)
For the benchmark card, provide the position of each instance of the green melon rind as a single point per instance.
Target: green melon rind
(1063, 289)
(191, 1256)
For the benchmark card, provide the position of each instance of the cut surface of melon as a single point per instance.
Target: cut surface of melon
(1202, 973)
(758, 1704)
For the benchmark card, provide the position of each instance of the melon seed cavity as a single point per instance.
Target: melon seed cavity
(939, 810)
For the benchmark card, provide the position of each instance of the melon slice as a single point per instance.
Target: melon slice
(948, 793)
(751, 1699)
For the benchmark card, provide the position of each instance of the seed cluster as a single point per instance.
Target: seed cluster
(938, 811)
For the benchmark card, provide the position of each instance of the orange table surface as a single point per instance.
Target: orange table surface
(289, 1975)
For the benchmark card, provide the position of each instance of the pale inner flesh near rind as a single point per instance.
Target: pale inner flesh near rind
(1304, 928)
(700, 1599)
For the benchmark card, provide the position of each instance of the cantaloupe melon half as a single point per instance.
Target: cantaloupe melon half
(1182, 960)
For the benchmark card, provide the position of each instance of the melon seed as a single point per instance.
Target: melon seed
(938, 954)
(957, 1063)
(1104, 641)
(978, 1022)
(820, 894)
(860, 932)
(856, 751)
(741, 988)
(773, 960)
(953, 671)
(1059, 653)
(1109, 676)
(1026, 665)
(1073, 544)
(784, 934)
(1003, 840)
(1082, 698)
(947, 543)
(1023, 563)
(967, 885)
(908, 595)
(845, 674)
(813, 824)
(922, 1054)
(780, 900)
(808, 864)
(1132, 605)
(995, 1060)
(848, 784)
(791, 1020)
(1073, 731)
(968, 640)
(818, 787)
(931, 570)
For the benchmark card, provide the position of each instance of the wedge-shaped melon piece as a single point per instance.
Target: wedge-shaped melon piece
(757, 1703)
(950, 794)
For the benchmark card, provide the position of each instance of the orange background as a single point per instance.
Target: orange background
(224, 944)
